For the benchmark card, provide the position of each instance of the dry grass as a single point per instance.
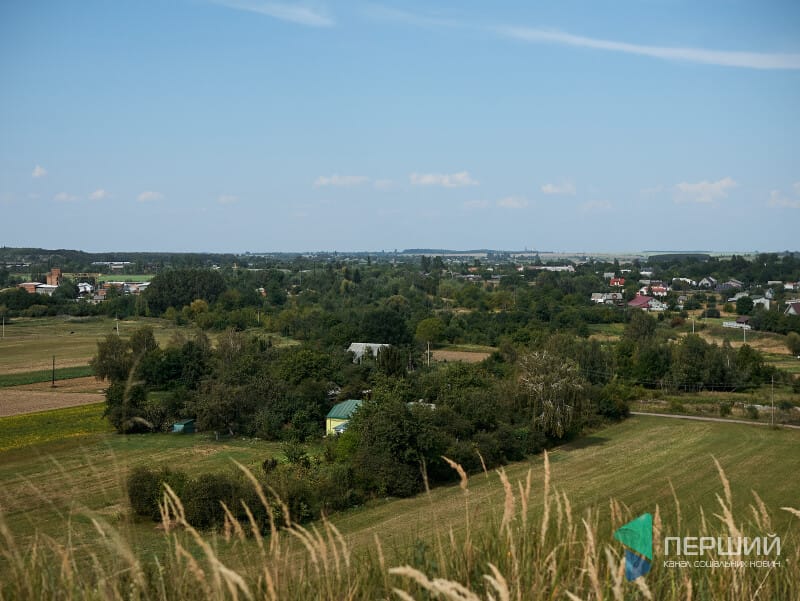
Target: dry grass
(550, 554)
(463, 356)
(40, 397)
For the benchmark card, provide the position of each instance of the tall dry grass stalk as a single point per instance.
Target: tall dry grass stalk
(532, 549)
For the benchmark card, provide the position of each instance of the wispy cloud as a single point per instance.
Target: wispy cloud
(64, 197)
(386, 13)
(149, 196)
(476, 204)
(565, 188)
(345, 181)
(383, 184)
(779, 201)
(227, 199)
(38, 171)
(512, 202)
(294, 13)
(99, 194)
(452, 180)
(596, 206)
(536, 35)
(651, 192)
(704, 192)
(748, 60)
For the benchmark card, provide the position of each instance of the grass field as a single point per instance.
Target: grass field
(59, 465)
(34, 377)
(46, 427)
(30, 343)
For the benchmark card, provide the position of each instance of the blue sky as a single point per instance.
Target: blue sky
(236, 125)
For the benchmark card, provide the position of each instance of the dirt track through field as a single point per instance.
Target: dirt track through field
(31, 398)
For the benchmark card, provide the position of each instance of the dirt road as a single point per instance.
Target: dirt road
(712, 419)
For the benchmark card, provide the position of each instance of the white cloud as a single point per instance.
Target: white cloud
(453, 180)
(567, 188)
(651, 192)
(704, 192)
(476, 204)
(149, 196)
(748, 60)
(779, 201)
(99, 194)
(596, 206)
(293, 13)
(64, 197)
(512, 202)
(38, 171)
(383, 184)
(344, 181)
(227, 199)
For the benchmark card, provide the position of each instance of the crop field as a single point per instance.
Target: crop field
(30, 343)
(76, 468)
(45, 375)
(31, 398)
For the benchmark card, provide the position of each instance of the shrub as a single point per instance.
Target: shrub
(751, 411)
(145, 489)
(203, 497)
(725, 408)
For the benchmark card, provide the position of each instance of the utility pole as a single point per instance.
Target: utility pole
(772, 385)
(53, 383)
(429, 354)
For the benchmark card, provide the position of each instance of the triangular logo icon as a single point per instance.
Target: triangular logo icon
(637, 536)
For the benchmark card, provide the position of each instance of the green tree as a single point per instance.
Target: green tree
(793, 343)
(555, 390)
(641, 327)
(744, 305)
(430, 330)
(113, 360)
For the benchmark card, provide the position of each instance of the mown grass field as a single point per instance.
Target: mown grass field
(30, 343)
(45, 375)
(52, 484)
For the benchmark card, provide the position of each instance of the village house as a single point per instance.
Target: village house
(339, 416)
(359, 349)
(647, 303)
(792, 309)
(607, 298)
(618, 282)
(707, 282)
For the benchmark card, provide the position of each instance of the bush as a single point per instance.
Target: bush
(203, 498)
(725, 408)
(146, 486)
(675, 406)
(751, 411)
(613, 400)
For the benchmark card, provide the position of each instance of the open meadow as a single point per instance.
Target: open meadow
(30, 343)
(61, 467)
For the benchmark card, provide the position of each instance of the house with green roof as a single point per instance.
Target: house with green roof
(338, 417)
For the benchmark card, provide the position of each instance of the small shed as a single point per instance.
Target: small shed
(185, 426)
(340, 415)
